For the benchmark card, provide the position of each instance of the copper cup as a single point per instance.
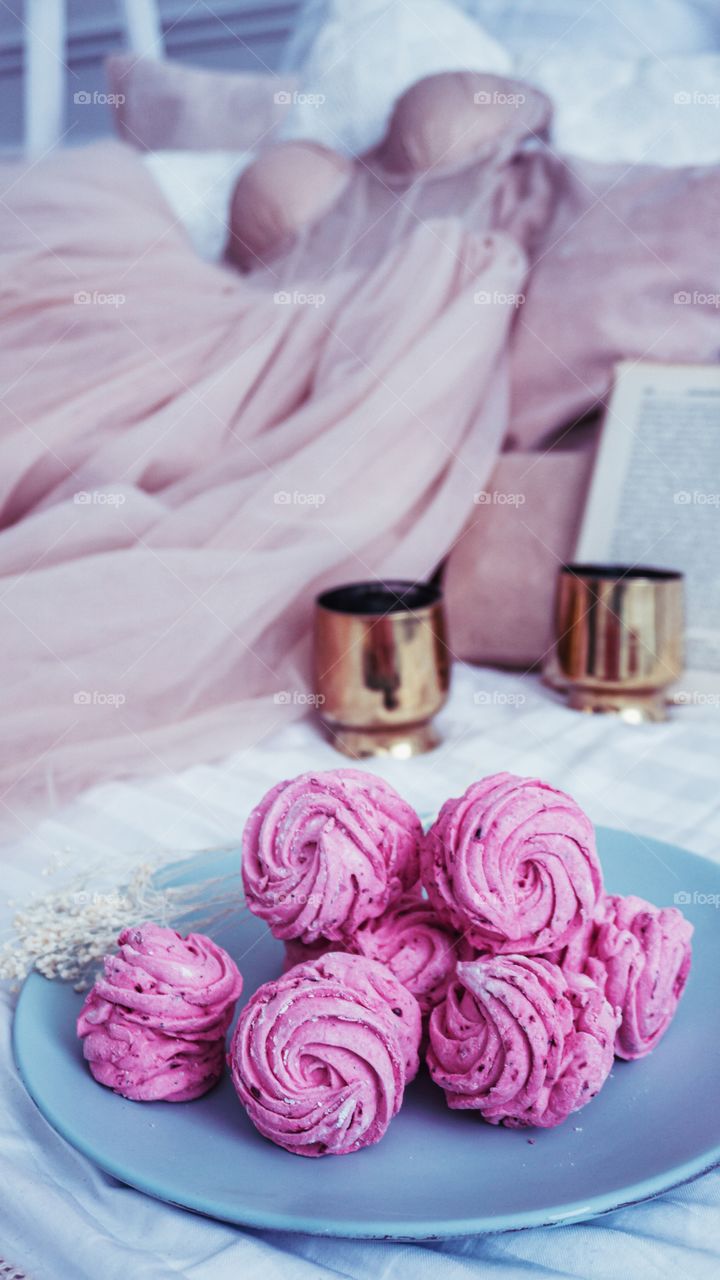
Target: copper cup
(619, 639)
(381, 666)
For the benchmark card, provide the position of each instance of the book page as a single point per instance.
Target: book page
(655, 493)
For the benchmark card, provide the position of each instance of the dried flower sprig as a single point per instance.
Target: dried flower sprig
(65, 934)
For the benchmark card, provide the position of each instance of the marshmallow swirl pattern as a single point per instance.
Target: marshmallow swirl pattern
(154, 1022)
(377, 985)
(518, 1042)
(573, 957)
(146, 1065)
(512, 865)
(327, 851)
(641, 954)
(319, 1057)
(419, 948)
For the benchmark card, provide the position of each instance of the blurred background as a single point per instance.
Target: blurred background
(238, 37)
(268, 36)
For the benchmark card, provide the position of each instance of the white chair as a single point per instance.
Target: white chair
(45, 65)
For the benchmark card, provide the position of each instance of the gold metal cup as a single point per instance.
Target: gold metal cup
(381, 666)
(619, 639)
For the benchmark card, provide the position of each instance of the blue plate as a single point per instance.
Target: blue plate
(436, 1173)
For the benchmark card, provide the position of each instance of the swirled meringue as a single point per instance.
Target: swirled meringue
(573, 957)
(512, 865)
(146, 1065)
(419, 948)
(154, 1022)
(641, 956)
(180, 986)
(318, 1057)
(521, 1043)
(375, 983)
(326, 851)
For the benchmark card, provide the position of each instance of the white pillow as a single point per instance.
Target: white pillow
(198, 186)
(639, 111)
(616, 28)
(365, 56)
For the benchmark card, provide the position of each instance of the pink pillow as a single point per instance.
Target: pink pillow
(501, 572)
(165, 105)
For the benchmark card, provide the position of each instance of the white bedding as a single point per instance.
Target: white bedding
(615, 28)
(198, 186)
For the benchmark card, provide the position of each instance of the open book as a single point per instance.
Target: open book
(655, 493)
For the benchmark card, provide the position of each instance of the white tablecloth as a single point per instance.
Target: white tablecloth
(61, 1219)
